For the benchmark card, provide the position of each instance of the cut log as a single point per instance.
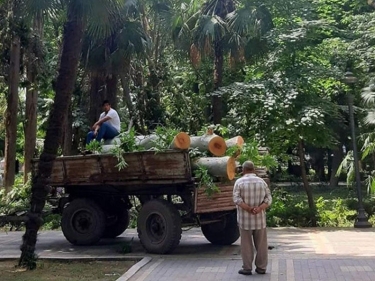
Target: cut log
(221, 167)
(212, 143)
(236, 141)
(146, 142)
(181, 141)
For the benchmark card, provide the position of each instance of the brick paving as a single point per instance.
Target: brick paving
(299, 254)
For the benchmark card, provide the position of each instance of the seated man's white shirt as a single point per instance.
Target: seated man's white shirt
(114, 120)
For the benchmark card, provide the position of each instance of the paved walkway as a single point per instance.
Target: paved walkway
(309, 254)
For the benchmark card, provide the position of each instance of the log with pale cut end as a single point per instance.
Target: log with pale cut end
(146, 142)
(213, 143)
(181, 141)
(236, 141)
(221, 167)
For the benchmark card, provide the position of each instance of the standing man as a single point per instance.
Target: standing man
(107, 127)
(252, 196)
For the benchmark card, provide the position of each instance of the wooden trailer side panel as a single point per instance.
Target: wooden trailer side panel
(146, 167)
(222, 201)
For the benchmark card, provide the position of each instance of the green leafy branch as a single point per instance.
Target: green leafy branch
(205, 180)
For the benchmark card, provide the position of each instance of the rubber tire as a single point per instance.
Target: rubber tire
(95, 229)
(120, 224)
(165, 212)
(222, 233)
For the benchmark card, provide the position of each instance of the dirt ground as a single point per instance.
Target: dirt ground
(48, 270)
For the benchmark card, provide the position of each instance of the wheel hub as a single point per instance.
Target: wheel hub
(156, 228)
(82, 222)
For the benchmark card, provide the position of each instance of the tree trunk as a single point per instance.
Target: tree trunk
(31, 103)
(68, 133)
(97, 95)
(338, 155)
(218, 79)
(111, 83)
(72, 45)
(11, 113)
(31, 119)
(125, 79)
(306, 185)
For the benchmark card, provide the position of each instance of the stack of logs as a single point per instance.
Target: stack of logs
(218, 165)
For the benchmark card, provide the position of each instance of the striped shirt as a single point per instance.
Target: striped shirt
(253, 191)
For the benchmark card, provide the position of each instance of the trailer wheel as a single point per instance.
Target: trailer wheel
(83, 222)
(116, 223)
(159, 226)
(222, 233)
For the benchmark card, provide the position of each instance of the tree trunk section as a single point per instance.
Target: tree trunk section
(11, 113)
(218, 79)
(212, 143)
(180, 142)
(72, 45)
(220, 167)
(306, 185)
(338, 155)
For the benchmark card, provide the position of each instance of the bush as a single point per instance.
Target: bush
(336, 215)
(284, 211)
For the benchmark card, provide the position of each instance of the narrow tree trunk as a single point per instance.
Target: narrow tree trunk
(338, 155)
(125, 78)
(97, 95)
(31, 119)
(11, 113)
(306, 185)
(111, 83)
(218, 79)
(68, 133)
(72, 45)
(31, 103)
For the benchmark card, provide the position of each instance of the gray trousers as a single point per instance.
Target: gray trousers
(257, 239)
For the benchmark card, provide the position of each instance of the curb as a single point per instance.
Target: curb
(134, 269)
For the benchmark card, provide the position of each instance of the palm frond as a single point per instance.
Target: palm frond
(370, 117)
(35, 7)
(103, 16)
(368, 94)
(209, 29)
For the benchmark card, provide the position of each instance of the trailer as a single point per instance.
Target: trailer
(99, 195)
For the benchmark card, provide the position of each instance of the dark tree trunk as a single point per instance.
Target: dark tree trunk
(306, 185)
(11, 113)
(338, 155)
(111, 83)
(97, 95)
(72, 45)
(218, 79)
(141, 99)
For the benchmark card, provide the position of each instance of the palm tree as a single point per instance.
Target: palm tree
(224, 28)
(99, 16)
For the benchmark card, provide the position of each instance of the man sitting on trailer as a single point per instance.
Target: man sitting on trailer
(108, 125)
